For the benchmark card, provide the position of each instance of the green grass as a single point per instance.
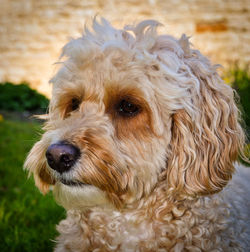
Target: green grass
(27, 218)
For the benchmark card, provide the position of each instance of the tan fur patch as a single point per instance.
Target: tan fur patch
(46, 177)
(140, 125)
(64, 103)
(103, 171)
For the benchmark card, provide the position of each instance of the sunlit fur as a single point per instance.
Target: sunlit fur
(153, 180)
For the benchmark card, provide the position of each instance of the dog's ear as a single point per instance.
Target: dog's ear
(207, 138)
(35, 163)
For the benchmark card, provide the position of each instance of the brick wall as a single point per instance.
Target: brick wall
(32, 32)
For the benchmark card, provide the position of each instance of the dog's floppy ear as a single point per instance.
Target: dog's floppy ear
(204, 147)
(36, 164)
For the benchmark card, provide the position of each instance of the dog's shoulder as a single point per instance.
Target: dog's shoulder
(237, 196)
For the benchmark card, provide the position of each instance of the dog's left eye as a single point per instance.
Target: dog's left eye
(127, 109)
(75, 104)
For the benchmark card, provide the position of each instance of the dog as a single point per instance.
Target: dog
(141, 140)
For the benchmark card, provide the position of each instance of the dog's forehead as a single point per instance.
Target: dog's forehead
(104, 77)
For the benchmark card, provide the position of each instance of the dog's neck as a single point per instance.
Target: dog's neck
(152, 219)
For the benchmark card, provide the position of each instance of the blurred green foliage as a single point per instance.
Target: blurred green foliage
(240, 81)
(21, 98)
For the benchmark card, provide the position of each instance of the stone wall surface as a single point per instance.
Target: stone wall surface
(32, 32)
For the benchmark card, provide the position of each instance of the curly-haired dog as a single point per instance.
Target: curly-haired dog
(140, 139)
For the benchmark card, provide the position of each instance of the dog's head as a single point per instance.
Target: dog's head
(130, 110)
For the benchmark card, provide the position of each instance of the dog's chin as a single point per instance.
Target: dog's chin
(75, 195)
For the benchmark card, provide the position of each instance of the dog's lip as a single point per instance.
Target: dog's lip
(72, 182)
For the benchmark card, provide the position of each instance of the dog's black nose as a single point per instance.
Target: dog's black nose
(62, 156)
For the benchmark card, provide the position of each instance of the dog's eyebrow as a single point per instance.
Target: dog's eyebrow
(118, 92)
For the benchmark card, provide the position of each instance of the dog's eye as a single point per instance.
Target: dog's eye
(75, 104)
(127, 109)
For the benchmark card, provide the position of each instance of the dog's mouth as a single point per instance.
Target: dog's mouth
(72, 183)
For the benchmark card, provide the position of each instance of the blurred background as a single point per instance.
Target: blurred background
(32, 33)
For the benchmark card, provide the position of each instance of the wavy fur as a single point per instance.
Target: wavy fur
(156, 181)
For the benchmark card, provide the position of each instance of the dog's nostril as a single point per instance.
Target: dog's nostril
(62, 156)
(67, 160)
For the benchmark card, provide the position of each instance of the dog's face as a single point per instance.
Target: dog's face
(132, 112)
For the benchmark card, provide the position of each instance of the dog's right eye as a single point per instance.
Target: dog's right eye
(71, 106)
(75, 104)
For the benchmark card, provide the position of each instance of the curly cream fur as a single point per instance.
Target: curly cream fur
(153, 181)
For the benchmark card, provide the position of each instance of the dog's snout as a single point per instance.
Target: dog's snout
(62, 156)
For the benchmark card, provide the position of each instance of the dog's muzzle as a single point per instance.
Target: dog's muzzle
(62, 156)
